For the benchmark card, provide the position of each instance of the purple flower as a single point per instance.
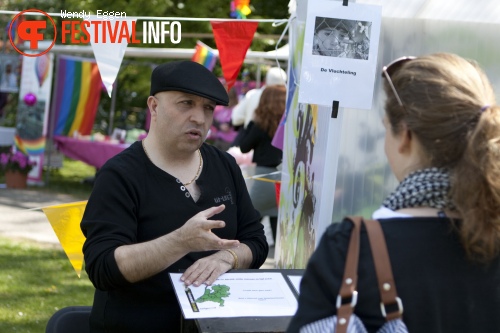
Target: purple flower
(22, 163)
(16, 161)
(4, 159)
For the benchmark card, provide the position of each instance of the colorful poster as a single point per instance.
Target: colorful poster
(310, 158)
(340, 54)
(296, 237)
(33, 110)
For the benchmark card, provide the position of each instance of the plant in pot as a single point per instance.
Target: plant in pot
(16, 166)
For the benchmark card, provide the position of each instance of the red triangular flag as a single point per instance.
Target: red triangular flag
(233, 40)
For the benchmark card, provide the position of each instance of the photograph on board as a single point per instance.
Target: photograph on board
(341, 38)
(339, 56)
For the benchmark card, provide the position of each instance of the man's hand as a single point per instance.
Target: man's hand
(142, 260)
(196, 234)
(208, 269)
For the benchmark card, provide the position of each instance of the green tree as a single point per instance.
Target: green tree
(133, 78)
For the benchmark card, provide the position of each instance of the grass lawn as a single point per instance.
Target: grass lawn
(70, 179)
(36, 282)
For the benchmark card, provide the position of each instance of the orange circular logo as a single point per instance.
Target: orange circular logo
(28, 31)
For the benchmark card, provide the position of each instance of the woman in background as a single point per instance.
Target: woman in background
(258, 136)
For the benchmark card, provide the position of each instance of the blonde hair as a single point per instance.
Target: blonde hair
(449, 105)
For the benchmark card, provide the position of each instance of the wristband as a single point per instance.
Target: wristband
(235, 265)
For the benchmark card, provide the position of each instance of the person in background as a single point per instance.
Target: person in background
(442, 223)
(257, 137)
(8, 80)
(168, 203)
(244, 110)
(222, 132)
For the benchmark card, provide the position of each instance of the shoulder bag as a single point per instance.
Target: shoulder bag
(391, 306)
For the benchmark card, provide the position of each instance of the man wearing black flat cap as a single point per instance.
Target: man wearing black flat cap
(167, 204)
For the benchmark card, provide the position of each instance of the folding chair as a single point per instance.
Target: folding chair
(72, 319)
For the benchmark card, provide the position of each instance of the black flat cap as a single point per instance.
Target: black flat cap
(190, 77)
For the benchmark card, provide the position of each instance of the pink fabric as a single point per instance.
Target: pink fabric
(222, 115)
(241, 159)
(94, 153)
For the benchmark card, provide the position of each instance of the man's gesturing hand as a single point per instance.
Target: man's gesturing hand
(196, 234)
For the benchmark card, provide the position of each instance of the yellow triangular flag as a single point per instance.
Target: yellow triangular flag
(65, 220)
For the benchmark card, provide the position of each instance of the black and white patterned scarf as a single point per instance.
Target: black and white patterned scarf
(423, 188)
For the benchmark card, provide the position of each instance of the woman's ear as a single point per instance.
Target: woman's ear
(405, 140)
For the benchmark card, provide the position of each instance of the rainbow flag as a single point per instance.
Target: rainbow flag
(15, 37)
(30, 147)
(77, 95)
(204, 55)
(240, 9)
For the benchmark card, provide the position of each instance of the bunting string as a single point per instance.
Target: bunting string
(65, 221)
(162, 18)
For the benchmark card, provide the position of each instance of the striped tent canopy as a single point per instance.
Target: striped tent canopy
(77, 94)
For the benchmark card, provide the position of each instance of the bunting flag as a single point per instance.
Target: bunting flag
(65, 220)
(77, 95)
(279, 136)
(240, 9)
(233, 40)
(109, 56)
(204, 55)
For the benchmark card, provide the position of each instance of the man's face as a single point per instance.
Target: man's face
(328, 40)
(182, 119)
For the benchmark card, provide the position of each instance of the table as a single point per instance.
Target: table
(94, 153)
(247, 324)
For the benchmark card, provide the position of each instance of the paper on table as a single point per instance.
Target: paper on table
(295, 280)
(237, 295)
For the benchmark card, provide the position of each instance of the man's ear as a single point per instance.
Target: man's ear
(405, 141)
(152, 105)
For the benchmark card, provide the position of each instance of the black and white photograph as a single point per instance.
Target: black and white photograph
(339, 56)
(341, 38)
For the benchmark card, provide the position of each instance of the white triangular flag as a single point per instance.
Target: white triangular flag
(109, 54)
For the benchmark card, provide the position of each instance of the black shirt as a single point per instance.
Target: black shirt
(134, 201)
(264, 153)
(441, 290)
